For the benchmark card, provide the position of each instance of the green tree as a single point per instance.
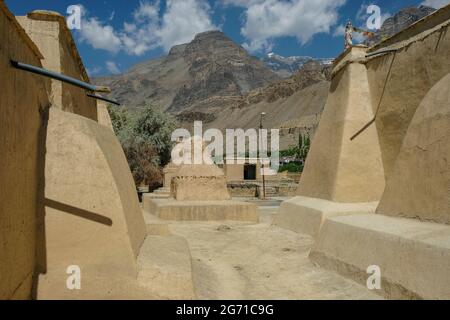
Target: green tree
(120, 118)
(143, 160)
(300, 152)
(291, 167)
(146, 140)
(304, 145)
(155, 127)
(300, 145)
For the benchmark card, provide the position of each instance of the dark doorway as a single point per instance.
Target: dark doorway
(250, 172)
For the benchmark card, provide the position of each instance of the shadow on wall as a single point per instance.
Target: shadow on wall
(41, 253)
(42, 203)
(88, 215)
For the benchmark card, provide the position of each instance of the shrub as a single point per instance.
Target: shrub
(155, 127)
(143, 161)
(291, 167)
(146, 141)
(300, 152)
(120, 119)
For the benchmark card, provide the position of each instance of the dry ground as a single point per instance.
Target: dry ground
(259, 261)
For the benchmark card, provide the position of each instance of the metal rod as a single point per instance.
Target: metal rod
(363, 129)
(58, 76)
(380, 52)
(103, 99)
(262, 161)
(379, 102)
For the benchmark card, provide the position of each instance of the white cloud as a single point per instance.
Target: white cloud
(183, 20)
(94, 71)
(241, 3)
(139, 36)
(129, 27)
(150, 28)
(269, 19)
(339, 31)
(112, 67)
(147, 11)
(99, 35)
(357, 37)
(436, 3)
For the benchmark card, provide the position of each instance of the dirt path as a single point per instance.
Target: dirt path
(242, 261)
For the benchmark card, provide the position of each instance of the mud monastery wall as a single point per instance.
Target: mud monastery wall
(68, 196)
(22, 141)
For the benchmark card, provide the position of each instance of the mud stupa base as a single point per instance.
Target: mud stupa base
(413, 256)
(214, 210)
(307, 215)
(161, 193)
(199, 193)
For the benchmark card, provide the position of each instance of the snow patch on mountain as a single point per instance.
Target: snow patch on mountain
(287, 66)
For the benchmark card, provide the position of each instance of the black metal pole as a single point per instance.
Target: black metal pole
(58, 76)
(379, 102)
(262, 161)
(103, 99)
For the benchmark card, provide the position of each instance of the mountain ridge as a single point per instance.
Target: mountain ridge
(287, 66)
(210, 65)
(214, 80)
(400, 21)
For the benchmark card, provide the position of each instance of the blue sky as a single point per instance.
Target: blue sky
(117, 34)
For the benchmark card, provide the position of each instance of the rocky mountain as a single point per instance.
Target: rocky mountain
(403, 19)
(293, 105)
(212, 66)
(214, 80)
(287, 66)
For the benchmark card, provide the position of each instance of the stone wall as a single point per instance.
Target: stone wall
(23, 105)
(50, 33)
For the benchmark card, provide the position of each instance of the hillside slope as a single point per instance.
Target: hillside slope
(285, 67)
(211, 65)
(214, 80)
(294, 105)
(400, 21)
